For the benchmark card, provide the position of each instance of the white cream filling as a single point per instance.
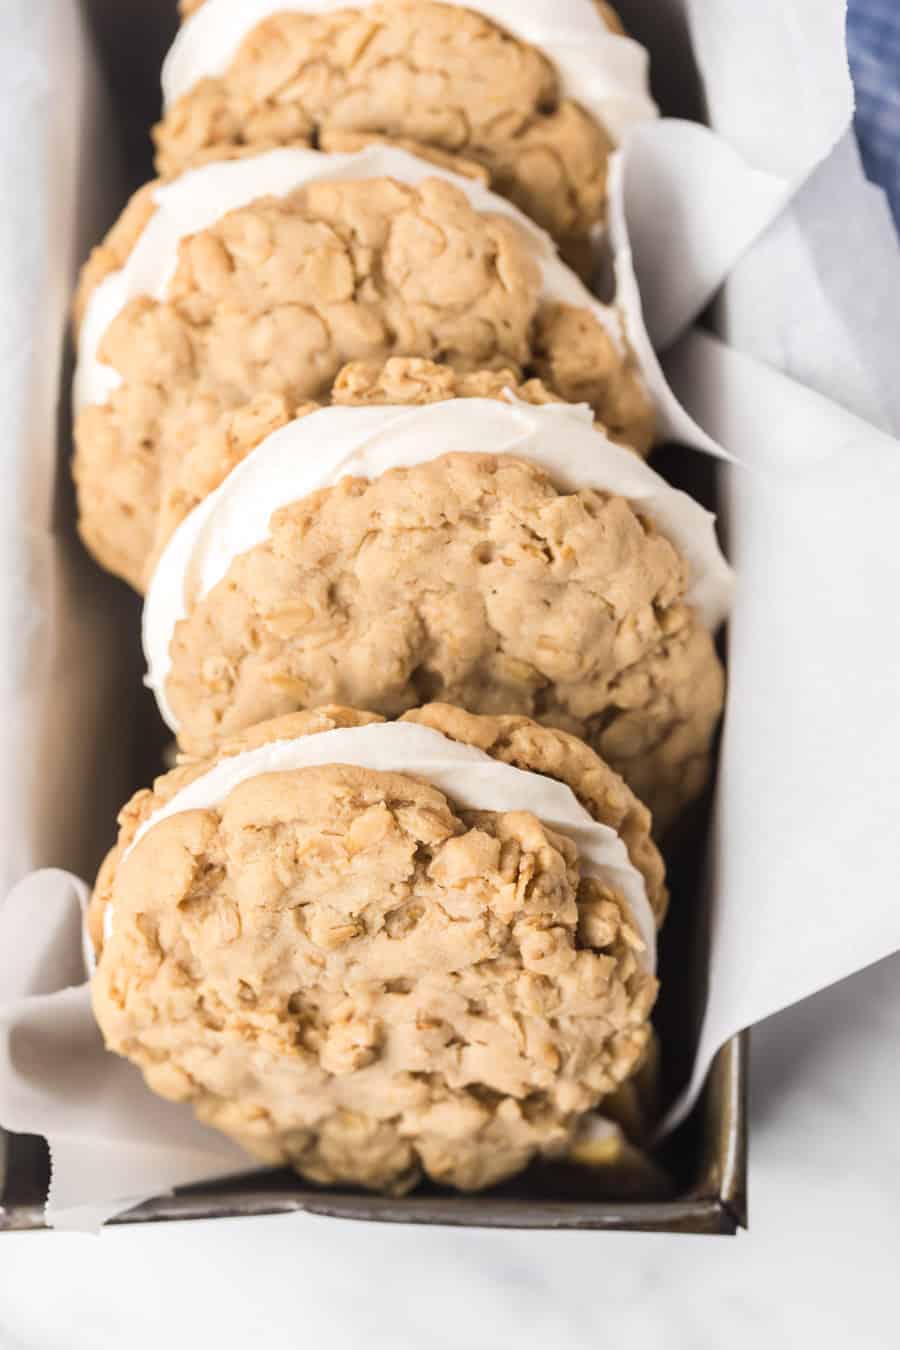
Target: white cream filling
(603, 71)
(203, 196)
(467, 776)
(319, 450)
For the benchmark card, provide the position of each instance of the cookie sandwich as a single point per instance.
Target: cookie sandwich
(376, 951)
(500, 555)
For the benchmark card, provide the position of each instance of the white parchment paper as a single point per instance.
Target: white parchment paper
(59, 670)
(779, 96)
(807, 853)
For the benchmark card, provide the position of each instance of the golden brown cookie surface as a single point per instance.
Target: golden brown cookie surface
(541, 749)
(343, 970)
(412, 382)
(470, 580)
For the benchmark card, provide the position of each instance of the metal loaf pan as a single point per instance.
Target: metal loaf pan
(701, 1183)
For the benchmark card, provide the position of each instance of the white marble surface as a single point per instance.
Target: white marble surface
(818, 1267)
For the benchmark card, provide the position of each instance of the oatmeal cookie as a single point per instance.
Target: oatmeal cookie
(470, 579)
(365, 975)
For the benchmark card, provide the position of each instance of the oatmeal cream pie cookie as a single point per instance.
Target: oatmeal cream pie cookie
(382, 951)
(494, 554)
(240, 290)
(538, 92)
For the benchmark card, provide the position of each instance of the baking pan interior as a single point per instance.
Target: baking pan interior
(700, 1185)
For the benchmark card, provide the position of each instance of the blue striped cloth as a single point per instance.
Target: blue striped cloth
(873, 38)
